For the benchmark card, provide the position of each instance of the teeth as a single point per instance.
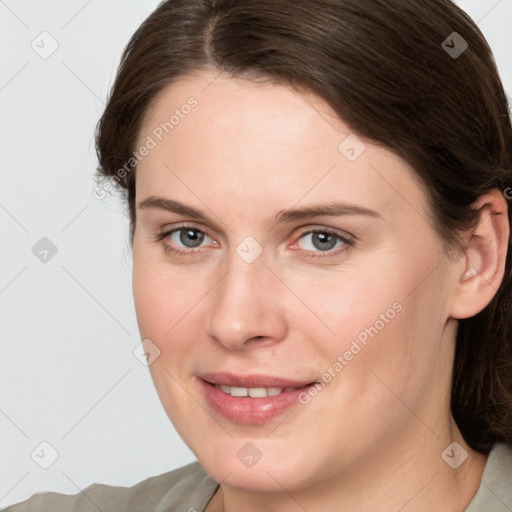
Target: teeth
(239, 391)
(252, 392)
(258, 392)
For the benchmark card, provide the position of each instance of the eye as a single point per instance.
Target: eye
(189, 237)
(323, 241)
(184, 240)
(188, 240)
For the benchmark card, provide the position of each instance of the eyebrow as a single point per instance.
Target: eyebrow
(162, 203)
(331, 209)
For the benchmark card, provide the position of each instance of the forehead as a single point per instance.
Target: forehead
(225, 109)
(214, 135)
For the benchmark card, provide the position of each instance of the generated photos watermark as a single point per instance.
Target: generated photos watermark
(356, 346)
(104, 186)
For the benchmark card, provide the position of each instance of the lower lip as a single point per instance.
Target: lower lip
(250, 411)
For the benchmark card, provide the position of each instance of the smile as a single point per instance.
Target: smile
(250, 399)
(253, 392)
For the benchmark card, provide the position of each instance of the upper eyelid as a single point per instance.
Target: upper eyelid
(167, 232)
(339, 232)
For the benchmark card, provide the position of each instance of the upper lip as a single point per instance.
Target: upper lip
(252, 381)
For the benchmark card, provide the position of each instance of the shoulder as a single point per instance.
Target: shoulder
(495, 491)
(185, 488)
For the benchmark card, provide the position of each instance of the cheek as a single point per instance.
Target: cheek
(154, 300)
(328, 311)
(171, 306)
(389, 317)
(342, 302)
(162, 295)
(164, 309)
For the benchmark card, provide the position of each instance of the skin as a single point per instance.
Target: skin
(372, 439)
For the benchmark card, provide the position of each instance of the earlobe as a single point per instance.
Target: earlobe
(484, 257)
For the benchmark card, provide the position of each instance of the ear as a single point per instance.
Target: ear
(482, 267)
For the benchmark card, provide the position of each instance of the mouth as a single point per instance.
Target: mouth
(251, 399)
(254, 392)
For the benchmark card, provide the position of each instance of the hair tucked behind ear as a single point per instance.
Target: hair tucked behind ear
(382, 66)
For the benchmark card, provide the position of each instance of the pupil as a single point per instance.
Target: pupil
(191, 237)
(324, 241)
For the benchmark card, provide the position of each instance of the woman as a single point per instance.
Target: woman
(318, 198)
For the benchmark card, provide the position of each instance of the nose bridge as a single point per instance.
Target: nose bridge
(242, 305)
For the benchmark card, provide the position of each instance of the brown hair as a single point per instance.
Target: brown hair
(384, 68)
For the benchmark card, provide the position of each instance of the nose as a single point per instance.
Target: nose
(246, 307)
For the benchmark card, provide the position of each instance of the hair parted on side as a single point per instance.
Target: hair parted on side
(381, 67)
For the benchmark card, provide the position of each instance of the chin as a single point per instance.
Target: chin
(235, 463)
(262, 478)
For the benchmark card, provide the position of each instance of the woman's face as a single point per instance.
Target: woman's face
(273, 250)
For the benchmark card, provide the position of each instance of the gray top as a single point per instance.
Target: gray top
(189, 489)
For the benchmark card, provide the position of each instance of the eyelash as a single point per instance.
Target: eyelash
(347, 242)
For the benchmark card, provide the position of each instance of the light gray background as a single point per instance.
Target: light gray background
(67, 326)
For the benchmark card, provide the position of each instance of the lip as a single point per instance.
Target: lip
(252, 381)
(246, 410)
